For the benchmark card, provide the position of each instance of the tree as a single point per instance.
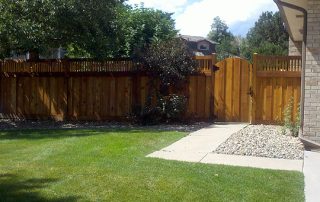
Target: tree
(89, 26)
(36, 25)
(227, 44)
(268, 36)
(24, 25)
(139, 27)
(95, 28)
(170, 62)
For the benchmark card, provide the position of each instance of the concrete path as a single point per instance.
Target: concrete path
(311, 171)
(199, 147)
(194, 147)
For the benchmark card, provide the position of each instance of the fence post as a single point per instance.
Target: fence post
(253, 78)
(214, 61)
(1, 74)
(66, 80)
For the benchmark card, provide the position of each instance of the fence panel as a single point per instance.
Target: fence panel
(89, 90)
(33, 97)
(200, 94)
(100, 97)
(277, 80)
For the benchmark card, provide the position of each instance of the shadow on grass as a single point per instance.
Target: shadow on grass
(14, 189)
(60, 133)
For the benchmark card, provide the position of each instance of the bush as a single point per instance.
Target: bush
(170, 61)
(289, 125)
(174, 106)
(168, 64)
(168, 108)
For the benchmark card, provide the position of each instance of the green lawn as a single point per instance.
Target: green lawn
(110, 165)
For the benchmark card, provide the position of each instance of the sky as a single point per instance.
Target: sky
(194, 17)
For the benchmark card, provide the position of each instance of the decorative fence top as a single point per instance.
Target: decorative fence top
(85, 66)
(56, 66)
(278, 63)
(205, 63)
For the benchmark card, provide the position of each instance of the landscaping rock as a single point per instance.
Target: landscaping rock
(263, 141)
(8, 124)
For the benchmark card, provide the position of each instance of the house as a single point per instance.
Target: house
(302, 19)
(200, 45)
(52, 53)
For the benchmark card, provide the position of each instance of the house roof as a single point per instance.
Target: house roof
(293, 18)
(196, 39)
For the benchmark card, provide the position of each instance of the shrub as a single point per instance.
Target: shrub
(168, 108)
(174, 106)
(170, 61)
(290, 125)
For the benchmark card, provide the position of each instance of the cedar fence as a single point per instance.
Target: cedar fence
(231, 90)
(276, 80)
(87, 90)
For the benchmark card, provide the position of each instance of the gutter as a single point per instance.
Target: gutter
(307, 142)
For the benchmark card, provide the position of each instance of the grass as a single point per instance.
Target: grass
(110, 165)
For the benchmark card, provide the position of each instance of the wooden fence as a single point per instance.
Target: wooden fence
(88, 90)
(276, 80)
(230, 90)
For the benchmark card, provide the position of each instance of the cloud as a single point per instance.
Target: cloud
(165, 5)
(196, 19)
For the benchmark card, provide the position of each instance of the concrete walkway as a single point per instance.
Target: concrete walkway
(199, 147)
(311, 171)
(195, 147)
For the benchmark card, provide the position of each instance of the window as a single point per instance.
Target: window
(203, 46)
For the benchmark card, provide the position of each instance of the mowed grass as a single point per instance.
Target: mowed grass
(110, 165)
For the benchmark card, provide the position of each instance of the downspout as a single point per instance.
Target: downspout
(303, 70)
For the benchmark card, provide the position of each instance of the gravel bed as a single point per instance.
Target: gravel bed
(263, 141)
(8, 124)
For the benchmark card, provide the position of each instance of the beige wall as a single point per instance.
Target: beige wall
(295, 48)
(312, 77)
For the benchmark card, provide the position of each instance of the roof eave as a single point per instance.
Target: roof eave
(291, 11)
(283, 16)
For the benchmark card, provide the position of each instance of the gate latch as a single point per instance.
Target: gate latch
(214, 68)
(250, 92)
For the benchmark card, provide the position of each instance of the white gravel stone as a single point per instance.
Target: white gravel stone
(262, 141)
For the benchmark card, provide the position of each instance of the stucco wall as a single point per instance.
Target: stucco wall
(295, 48)
(312, 77)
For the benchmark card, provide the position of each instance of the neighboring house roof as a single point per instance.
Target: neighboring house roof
(292, 17)
(196, 39)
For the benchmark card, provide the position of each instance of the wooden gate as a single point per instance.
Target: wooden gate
(232, 90)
